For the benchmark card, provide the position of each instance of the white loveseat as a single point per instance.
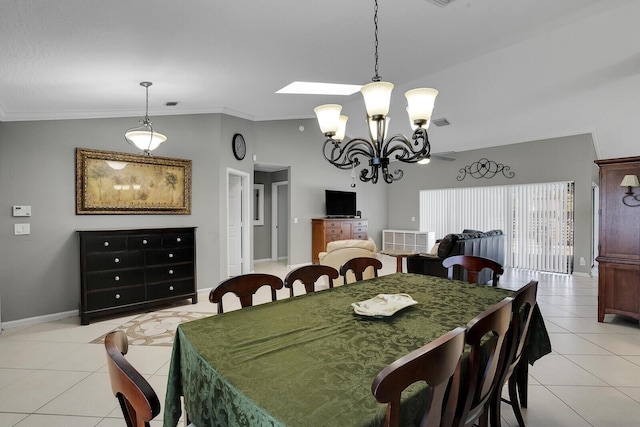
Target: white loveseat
(340, 251)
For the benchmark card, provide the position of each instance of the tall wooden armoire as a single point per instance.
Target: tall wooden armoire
(619, 248)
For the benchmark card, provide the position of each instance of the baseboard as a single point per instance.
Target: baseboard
(580, 274)
(40, 319)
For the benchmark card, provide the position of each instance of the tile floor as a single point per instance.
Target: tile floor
(51, 375)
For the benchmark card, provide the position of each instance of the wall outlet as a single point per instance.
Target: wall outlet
(582, 261)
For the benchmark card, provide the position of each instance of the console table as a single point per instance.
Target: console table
(136, 268)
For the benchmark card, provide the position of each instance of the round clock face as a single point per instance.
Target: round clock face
(239, 146)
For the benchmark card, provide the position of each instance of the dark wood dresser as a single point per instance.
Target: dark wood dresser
(135, 269)
(325, 230)
(619, 246)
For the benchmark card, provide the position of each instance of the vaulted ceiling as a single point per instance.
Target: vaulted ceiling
(507, 70)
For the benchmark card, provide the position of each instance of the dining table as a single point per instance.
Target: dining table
(310, 360)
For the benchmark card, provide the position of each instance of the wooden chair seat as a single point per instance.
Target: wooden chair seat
(244, 287)
(473, 265)
(308, 275)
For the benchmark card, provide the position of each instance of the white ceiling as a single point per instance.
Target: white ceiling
(507, 70)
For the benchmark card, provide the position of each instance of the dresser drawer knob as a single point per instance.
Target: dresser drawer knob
(117, 260)
(170, 255)
(170, 288)
(117, 278)
(117, 296)
(144, 241)
(178, 240)
(106, 244)
(170, 271)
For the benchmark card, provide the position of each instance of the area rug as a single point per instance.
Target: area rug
(155, 328)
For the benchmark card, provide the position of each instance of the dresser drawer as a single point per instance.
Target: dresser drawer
(114, 260)
(176, 240)
(360, 223)
(171, 289)
(360, 229)
(105, 243)
(165, 256)
(144, 241)
(115, 278)
(115, 298)
(331, 231)
(361, 236)
(169, 272)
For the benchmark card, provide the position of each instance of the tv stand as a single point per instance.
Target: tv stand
(325, 230)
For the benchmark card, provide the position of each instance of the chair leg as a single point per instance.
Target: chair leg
(523, 377)
(513, 400)
(494, 411)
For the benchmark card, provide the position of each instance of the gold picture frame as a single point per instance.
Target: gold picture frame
(120, 183)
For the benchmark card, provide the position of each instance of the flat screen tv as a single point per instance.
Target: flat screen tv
(340, 203)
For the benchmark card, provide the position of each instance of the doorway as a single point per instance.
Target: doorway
(238, 223)
(280, 222)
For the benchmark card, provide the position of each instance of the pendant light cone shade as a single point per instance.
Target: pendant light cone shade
(420, 103)
(377, 98)
(342, 128)
(328, 117)
(143, 137)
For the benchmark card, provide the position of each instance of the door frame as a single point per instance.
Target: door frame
(246, 220)
(275, 187)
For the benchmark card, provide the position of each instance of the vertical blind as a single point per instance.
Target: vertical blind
(537, 220)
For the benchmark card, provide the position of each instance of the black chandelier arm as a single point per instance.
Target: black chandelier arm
(632, 200)
(344, 155)
(410, 151)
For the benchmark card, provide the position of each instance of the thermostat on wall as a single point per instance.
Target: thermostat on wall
(22, 211)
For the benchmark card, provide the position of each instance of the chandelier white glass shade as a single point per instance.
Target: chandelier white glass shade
(378, 150)
(143, 137)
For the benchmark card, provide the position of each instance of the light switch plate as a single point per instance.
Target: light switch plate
(21, 229)
(21, 210)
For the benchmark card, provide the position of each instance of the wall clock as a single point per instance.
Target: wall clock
(239, 146)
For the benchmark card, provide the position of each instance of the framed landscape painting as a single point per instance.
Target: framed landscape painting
(119, 183)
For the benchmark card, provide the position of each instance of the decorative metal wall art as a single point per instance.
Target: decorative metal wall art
(485, 168)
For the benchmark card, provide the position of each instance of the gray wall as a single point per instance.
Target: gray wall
(39, 273)
(551, 160)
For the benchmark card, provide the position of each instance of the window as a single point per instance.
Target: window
(537, 220)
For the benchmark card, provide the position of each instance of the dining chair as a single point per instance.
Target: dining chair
(486, 335)
(435, 364)
(137, 398)
(473, 265)
(358, 265)
(524, 301)
(308, 275)
(244, 287)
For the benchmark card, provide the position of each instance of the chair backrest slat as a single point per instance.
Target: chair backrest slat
(308, 275)
(473, 266)
(434, 364)
(244, 287)
(358, 266)
(137, 398)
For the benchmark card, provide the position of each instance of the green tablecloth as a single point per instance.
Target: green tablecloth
(309, 360)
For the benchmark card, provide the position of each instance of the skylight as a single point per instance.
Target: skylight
(313, 88)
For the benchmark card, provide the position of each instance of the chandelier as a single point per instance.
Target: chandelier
(377, 149)
(143, 137)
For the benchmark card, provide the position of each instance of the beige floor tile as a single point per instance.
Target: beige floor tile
(33, 354)
(88, 357)
(554, 369)
(37, 389)
(600, 406)
(614, 370)
(9, 376)
(549, 311)
(621, 344)
(581, 325)
(36, 420)
(574, 344)
(545, 410)
(9, 419)
(632, 392)
(100, 404)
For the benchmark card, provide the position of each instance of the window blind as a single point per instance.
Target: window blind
(537, 220)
